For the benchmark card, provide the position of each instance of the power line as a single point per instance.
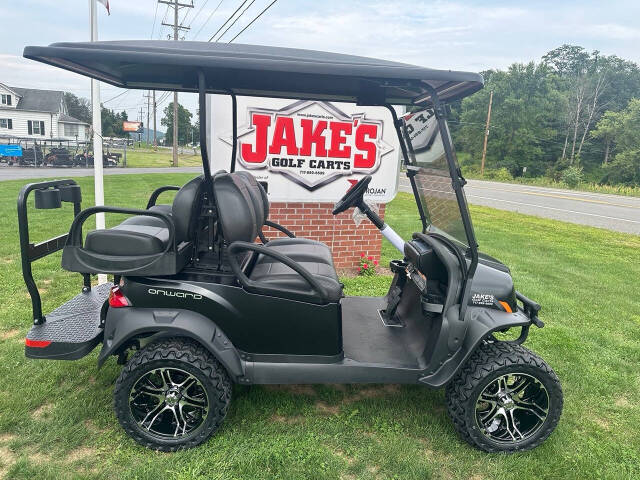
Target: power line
(251, 22)
(186, 13)
(155, 15)
(228, 19)
(164, 17)
(204, 4)
(119, 95)
(234, 22)
(207, 20)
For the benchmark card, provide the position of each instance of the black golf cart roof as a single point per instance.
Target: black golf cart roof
(256, 71)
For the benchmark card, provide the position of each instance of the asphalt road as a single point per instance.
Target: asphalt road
(613, 212)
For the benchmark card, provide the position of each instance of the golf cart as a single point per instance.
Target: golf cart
(197, 303)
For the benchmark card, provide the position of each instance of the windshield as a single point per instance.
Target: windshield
(432, 176)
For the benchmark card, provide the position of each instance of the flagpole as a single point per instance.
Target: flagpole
(97, 133)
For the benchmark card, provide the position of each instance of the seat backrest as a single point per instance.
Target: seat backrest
(186, 209)
(258, 195)
(239, 216)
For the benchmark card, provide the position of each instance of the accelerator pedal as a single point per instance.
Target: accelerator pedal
(72, 330)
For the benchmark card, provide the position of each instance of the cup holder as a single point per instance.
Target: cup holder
(48, 198)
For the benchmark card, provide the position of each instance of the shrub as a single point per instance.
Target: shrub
(367, 265)
(502, 175)
(572, 176)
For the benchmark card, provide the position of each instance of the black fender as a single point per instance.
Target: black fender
(124, 324)
(480, 322)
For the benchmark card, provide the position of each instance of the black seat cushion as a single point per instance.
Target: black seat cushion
(277, 275)
(128, 239)
(302, 250)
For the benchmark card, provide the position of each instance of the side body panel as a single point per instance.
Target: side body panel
(253, 323)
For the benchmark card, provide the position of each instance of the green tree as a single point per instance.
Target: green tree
(527, 104)
(606, 130)
(623, 130)
(184, 124)
(112, 123)
(593, 83)
(544, 114)
(78, 107)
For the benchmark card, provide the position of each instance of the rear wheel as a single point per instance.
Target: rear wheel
(171, 395)
(504, 399)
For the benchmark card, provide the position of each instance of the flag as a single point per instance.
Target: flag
(106, 4)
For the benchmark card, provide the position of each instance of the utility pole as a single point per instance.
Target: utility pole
(140, 118)
(176, 28)
(155, 141)
(148, 97)
(486, 134)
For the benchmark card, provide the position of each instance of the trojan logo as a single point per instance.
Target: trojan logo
(312, 143)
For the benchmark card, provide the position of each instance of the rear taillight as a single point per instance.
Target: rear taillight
(117, 298)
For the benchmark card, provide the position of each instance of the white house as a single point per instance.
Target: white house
(38, 114)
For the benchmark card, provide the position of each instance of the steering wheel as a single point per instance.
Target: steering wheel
(353, 197)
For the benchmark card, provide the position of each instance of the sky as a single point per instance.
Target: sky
(457, 35)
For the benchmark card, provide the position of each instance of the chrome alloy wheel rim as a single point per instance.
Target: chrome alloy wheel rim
(169, 403)
(512, 408)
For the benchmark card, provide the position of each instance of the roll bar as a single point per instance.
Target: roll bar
(156, 193)
(75, 232)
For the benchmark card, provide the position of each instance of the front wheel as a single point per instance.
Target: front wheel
(504, 399)
(171, 395)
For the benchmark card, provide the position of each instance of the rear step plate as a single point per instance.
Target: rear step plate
(72, 330)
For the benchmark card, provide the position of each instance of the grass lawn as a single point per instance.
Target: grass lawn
(147, 157)
(56, 418)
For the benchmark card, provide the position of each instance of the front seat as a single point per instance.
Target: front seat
(142, 244)
(260, 268)
(298, 249)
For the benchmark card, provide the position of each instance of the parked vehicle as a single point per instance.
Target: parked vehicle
(31, 156)
(59, 156)
(197, 305)
(85, 159)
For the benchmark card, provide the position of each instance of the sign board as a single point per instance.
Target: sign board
(424, 134)
(11, 150)
(135, 127)
(307, 151)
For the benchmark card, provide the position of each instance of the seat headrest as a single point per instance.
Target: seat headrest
(236, 208)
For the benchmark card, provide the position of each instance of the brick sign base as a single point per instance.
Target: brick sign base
(315, 221)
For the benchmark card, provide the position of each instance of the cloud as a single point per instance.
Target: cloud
(615, 31)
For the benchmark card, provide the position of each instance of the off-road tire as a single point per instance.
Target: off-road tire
(191, 357)
(489, 361)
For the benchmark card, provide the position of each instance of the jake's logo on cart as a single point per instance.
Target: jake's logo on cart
(312, 143)
(174, 293)
(483, 299)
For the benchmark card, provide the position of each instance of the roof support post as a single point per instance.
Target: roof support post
(202, 113)
(234, 122)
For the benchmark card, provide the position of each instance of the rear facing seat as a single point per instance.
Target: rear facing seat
(141, 244)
